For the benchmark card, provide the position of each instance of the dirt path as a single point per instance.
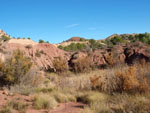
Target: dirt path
(71, 107)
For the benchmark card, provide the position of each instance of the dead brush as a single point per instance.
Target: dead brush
(60, 65)
(83, 65)
(128, 80)
(105, 82)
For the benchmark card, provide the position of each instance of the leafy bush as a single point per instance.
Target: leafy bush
(14, 68)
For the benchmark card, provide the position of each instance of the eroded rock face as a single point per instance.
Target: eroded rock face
(118, 54)
(41, 54)
(137, 52)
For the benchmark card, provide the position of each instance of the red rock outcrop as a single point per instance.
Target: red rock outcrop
(41, 54)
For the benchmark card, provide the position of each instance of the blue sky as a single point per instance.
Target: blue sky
(58, 20)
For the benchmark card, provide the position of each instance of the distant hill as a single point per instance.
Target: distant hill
(76, 39)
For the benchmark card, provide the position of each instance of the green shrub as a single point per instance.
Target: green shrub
(5, 38)
(73, 47)
(94, 44)
(41, 41)
(117, 39)
(60, 47)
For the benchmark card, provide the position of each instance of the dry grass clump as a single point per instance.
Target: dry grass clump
(89, 97)
(14, 105)
(62, 97)
(17, 105)
(117, 103)
(44, 101)
(76, 82)
(6, 109)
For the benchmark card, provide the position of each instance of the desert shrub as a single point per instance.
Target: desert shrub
(60, 65)
(5, 38)
(84, 64)
(128, 80)
(76, 82)
(117, 103)
(105, 81)
(6, 109)
(38, 53)
(17, 105)
(89, 97)
(73, 47)
(94, 44)
(41, 41)
(117, 39)
(44, 101)
(29, 38)
(60, 47)
(14, 68)
(43, 90)
(27, 83)
(122, 78)
(28, 46)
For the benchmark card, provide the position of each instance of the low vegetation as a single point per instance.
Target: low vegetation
(5, 38)
(73, 47)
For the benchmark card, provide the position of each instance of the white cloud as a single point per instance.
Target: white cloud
(72, 25)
